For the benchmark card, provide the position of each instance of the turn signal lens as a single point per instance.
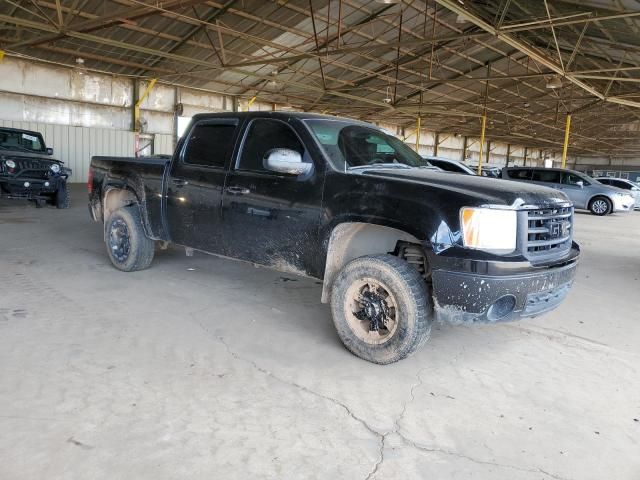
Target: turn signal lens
(489, 229)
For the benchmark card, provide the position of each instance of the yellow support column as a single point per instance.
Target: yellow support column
(136, 107)
(567, 129)
(250, 102)
(1, 55)
(482, 129)
(418, 135)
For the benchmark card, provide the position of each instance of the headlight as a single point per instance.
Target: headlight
(10, 163)
(489, 229)
(55, 168)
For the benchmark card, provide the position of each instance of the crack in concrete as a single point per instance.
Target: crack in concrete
(374, 470)
(381, 435)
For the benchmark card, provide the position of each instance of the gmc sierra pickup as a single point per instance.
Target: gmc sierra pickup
(396, 242)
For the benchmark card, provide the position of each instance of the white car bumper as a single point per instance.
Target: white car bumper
(623, 203)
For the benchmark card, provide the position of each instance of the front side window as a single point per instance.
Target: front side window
(573, 179)
(209, 145)
(350, 145)
(547, 176)
(265, 134)
(22, 141)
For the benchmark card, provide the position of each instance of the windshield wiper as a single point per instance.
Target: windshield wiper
(380, 165)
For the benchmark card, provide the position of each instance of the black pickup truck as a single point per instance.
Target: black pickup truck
(396, 242)
(28, 171)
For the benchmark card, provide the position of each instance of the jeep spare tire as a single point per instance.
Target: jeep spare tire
(380, 308)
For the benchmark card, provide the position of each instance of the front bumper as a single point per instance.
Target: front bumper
(468, 297)
(37, 188)
(624, 204)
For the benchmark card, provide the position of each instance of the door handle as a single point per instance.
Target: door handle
(238, 190)
(179, 182)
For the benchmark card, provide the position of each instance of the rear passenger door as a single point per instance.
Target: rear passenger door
(272, 218)
(196, 182)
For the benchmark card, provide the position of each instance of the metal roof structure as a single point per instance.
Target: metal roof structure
(525, 63)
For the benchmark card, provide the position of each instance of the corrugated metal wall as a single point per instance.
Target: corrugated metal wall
(76, 145)
(162, 144)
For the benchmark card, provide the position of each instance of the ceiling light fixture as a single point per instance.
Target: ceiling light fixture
(80, 68)
(554, 82)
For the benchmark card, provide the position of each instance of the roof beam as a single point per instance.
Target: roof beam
(122, 15)
(530, 52)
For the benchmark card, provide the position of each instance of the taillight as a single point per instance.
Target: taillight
(90, 181)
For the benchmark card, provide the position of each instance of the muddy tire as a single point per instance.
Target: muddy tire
(380, 308)
(600, 206)
(62, 196)
(128, 247)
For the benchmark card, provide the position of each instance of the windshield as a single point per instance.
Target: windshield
(24, 141)
(352, 146)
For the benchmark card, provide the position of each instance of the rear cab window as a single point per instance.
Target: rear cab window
(210, 144)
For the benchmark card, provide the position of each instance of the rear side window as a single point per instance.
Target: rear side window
(619, 184)
(606, 181)
(264, 135)
(519, 174)
(209, 145)
(548, 176)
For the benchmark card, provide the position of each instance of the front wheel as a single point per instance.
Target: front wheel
(128, 247)
(62, 196)
(380, 308)
(600, 206)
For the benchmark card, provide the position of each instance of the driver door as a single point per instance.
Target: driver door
(272, 218)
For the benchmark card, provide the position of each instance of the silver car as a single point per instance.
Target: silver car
(585, 192)
(631, 187)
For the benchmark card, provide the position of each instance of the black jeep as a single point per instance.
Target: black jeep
(28, 171)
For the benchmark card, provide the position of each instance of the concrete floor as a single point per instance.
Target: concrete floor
(202, 368)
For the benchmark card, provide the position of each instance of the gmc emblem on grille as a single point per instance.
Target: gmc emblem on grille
(559, 229)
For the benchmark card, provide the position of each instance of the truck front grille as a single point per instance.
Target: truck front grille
(549, 232)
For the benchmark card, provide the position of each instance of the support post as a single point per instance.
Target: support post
(508, 154)
(567, 129)
(482, 129)
(250, 102)
(524, 163)
(136, 108)
(418, 135)
(464, 148)
(436, 144)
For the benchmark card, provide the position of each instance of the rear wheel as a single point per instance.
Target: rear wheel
(600, 206)
(380, 308)
(128, 247)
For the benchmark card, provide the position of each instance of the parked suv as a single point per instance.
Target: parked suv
(28, 171)
(632, 187)
(585, 192)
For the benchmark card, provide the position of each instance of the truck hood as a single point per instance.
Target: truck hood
(486, 191)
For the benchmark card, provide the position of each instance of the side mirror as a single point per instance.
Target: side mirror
(284, 160)
(49, 151)
(580, 183)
